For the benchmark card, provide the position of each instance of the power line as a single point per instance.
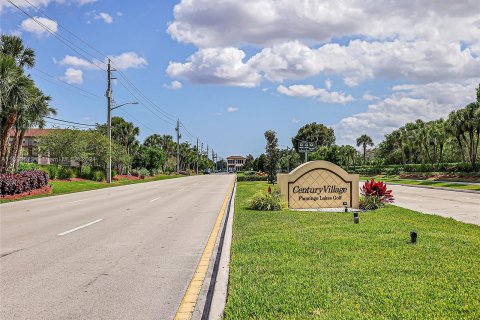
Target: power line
(65, 41)
(72, 122)
(80, 90)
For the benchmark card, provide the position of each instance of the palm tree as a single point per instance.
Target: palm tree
(14, 88)
(154, 141)
(13, 46)
(364, 141)
(31, 115)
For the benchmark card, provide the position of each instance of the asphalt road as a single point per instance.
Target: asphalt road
(118, 253)
(461, 206)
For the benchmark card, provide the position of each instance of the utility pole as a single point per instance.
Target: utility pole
(288, 160)
(197, 158)
(109, 121)
(177, 129)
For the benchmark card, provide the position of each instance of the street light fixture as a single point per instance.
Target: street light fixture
(109, 131)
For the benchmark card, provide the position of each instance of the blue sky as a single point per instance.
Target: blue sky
(231, 70)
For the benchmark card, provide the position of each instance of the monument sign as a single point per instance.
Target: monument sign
(319, 184)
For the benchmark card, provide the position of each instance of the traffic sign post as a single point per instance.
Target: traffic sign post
(306, 147)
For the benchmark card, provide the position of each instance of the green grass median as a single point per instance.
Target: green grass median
(319, 265)
(64, 187)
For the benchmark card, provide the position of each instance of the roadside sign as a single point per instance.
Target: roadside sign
(306, 146)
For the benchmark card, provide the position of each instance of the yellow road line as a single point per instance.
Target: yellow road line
(187, 306)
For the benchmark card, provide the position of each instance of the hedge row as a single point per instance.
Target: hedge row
(252, 178)
(11, 184)
(413, 168)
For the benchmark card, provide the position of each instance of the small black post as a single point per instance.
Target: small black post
(413, 236)
(356, 219)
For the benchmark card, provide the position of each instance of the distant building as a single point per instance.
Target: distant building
(235, 163)
(29, 152)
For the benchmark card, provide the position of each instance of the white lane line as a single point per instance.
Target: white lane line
(78, 228)
(155, 199)
(77, 201)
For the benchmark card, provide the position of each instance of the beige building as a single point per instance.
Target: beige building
(29, 152)
(235, 163)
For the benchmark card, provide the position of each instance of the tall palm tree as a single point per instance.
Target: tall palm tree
(364, 141)
(154, 141)
(13, 46)
(31, 115)
(14, 88)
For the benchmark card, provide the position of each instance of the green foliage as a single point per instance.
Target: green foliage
(265, 201)
(65, 172)
(272, 153)
(23, 166)
(314, 132)
(252, 178)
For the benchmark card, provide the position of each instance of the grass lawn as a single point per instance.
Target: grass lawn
(427, 183)
(63, 187)
(319, 265)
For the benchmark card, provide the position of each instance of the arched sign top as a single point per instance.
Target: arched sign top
(319, 184)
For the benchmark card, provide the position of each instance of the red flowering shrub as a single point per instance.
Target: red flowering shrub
(11, 184)
(375, 194)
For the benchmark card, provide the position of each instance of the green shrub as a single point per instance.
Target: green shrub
(98, 175)
(155, 172)
(53, 171)
(24, 166)
(250, 173)
(142, 173)
(86, 173)
(114, 173)
(252, 178)
(65, 173)
(264, 201)
(370, 203)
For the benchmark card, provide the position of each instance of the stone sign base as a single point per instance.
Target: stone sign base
(319, 184)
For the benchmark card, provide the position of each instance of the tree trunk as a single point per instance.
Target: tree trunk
(10, 157)
(364, 153)
(461, 148)
(4, 139)
(19, 149)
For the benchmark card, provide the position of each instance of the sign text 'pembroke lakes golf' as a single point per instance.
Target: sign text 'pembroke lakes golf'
(319, 184)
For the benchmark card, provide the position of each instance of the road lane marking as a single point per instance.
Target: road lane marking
(78, 228)
(155, 199)
(189, 301)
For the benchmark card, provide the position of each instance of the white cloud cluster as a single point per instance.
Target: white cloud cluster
(407, 103)
(406, 40)
(128, 60)
(39, 26)
(214, 23)
(216, 66)
(73, 76)
(124, 61)
(321, 94)
(232, 109)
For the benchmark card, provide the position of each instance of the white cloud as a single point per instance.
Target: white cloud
(40, 27)
(295, 120)
(76, 62)
(405, 41)
(232, 109)
(307, 90)
(73, 76)
(105, 17)
(174, 85)
(119, 14)
(128, 60)
(216, 66)
(407, 103)
(213, 23)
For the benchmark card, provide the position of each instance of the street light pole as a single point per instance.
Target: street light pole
(109, 128)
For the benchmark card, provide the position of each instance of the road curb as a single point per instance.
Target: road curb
(218, 288)
(434, 188)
